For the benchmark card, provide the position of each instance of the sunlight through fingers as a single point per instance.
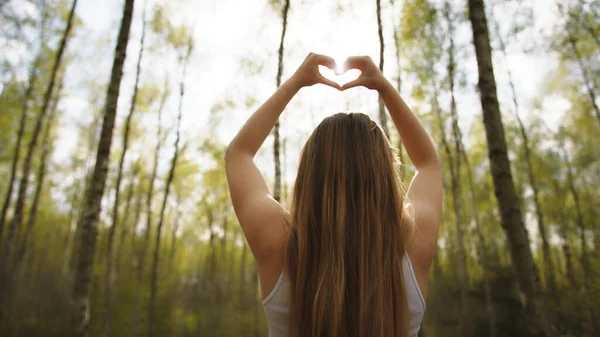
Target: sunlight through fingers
(341, 79)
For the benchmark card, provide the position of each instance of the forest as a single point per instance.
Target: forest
(115, 116)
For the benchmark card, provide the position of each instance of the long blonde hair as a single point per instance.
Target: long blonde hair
(347, 234)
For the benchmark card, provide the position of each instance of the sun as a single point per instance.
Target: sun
(339, 74)
(339, 63)
(341, 79)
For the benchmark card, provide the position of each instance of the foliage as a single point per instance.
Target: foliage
(207, 284)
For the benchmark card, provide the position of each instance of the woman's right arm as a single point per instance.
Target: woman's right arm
(417, 142)
(425, 190)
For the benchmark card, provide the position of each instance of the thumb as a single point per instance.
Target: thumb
(357, 82)
(329, 82)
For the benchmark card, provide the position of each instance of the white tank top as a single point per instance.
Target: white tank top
(276, 304)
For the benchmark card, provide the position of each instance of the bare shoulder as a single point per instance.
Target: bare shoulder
(423, 244)
(424, 202)
(265, 230)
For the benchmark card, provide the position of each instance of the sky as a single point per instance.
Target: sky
(227, 32)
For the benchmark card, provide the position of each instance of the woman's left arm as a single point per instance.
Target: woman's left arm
(261, 216)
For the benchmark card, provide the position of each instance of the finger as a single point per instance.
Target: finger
(354, 62)
(329, 82)
(357, 82)
(325, 60)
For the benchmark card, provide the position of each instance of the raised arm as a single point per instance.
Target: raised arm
(260, 216)
(425, 191)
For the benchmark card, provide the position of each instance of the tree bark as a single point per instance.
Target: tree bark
(174, 231)
(230, 273)
(134, 225)
(398, 54)
(141, 261)
(481, 249)
(285, 183)
(455, 177)
(108, 276)
(27, 244)
(382, 114)
(24, 112)
(255, 301)
(566, 247)
(41, 175)
(224, 238)
(399, 88)
(454, 186)
(92, 208)
(589, 86)
(585, 262)
(276, 145)
(243, 301)
(20, 132)
(92, 143)
(511, 218)
(548, 263)
(212, 272)
(124, 229)
(69, 232)
(19, 209)
(210, 267)
(155, 259)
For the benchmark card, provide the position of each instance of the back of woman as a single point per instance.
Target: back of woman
(350, 257)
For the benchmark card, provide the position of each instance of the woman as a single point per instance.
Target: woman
(351, 258)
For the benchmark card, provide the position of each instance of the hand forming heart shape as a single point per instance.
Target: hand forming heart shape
(340, 78)
(356, 71)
